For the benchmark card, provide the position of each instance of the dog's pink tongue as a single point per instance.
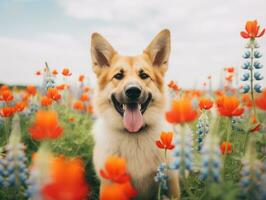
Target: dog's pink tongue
(133, 120)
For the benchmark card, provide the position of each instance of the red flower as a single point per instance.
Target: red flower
(229, 106)
(55, 72)
(52, 93)
(81, 78)
(230, 69)
(205, 103)
(38, 73)
(46, 101)
(115, 191)
(226, 147)
(31, 90)
(6, 95)
(19, 107)
(46, 126)
(166, 141)
(66, 72)
(7, 111)
(78, 105)
(261, 101)
(181, 111)
(68, 180)
(172, 85)
(252, 30)
(84, 97)
(115, 170)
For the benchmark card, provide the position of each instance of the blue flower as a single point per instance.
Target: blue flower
(203, 129)
(245, 89)
(258, 76)
(257, 65)
(257, 54)
(258, 88)
(246, 65)
(161, 175)
(245, 77)
(246, 54)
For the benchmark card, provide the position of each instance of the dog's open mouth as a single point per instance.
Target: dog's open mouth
(132, 113)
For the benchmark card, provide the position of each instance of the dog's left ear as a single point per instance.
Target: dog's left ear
(159, 49)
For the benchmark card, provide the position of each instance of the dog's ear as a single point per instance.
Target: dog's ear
(159, 49)
(101, 51)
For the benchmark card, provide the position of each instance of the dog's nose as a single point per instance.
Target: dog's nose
(133, 92)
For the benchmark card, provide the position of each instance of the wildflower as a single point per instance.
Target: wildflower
(61, 87)
(252, 30)
(46, 126)
(84, 97)
(78, 105)
(6, 95)
(172, 85)
(166, 141)
(229, 106)
(230, 69)
(55, 72)
(86, 89)
(38, 73)
(247, 100)
(68, 180)
(90, 108)
(203, 129)
(7, 111)
(181, 111)
(115, 170)
(31, 90)
(161, 175)
(20, 106)
(226, 147)
(53, 94)
(261, 101)
(71, 119)
(205, 103)
(66, 72)
(81, 78)
(46, 101)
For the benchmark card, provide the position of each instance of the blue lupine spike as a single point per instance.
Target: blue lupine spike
(245, 77)
(245, 89)
(161, 176)
(246, 65)
(258, 76)
(246, 54)
(257, 54)
(258, 88)
(257, 65)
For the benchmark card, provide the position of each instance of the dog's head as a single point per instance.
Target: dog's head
(130, 89)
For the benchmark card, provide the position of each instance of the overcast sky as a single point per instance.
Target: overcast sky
(205, 34)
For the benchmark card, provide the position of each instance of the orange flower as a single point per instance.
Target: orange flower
(46, 101)
(19, 107)
(7, 111)
(229, 78)
(78, 105)
(6, 95)
(247, 100)
(66, 72)
(257, 125)
(120, 186)
(205, 103)
(31, 90)
(68, 180)
(90, 108)
(115, 170)
(46, 126)
(61, 87)
(81, 78)
(229, 106)
(252, 30)
(86, 89)
(230, 69)
(261, 101)
(71, 119)
(52, 93)
(172, 85)
(226, 147)
(181, 111)
(84, 97)
(55, 72)
(38, 73)
(166, 141)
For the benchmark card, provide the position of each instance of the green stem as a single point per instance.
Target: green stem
(251, 77)
(159, 192)
(228, 135)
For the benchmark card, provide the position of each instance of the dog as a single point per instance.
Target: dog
(130, 104)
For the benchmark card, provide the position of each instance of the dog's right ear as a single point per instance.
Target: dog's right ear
(101, 51)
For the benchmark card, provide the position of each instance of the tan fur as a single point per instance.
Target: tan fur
(138, 149)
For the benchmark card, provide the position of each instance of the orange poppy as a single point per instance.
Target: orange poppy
(66, 72)
(68, 180)
(114, 191)
(6, 95)
(166, 141)
(226, 147)
(205, 103)
(229, 106)
(61, 87)
(81, 78)
(181, 111)
(31, 89)
(38, 73)
(247, 100)
(257, 125)
(115, 170)
(52, 93)
(7, 111)
(46, 101)
(55, 72)
(20, 106)
(230, 69)
(172, 85)
(46, 126)
(229, 78)
(252, 30)
(78, 105)
(84, 97)
(90, 108)
(261, 101)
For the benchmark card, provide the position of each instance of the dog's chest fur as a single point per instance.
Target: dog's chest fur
(139, 150)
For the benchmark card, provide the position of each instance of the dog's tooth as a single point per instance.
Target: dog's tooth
(124, 106)
(139, 106)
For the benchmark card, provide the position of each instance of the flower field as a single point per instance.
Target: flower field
(217, 140)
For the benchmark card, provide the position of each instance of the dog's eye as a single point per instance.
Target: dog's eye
(119, 76)
(143, 75)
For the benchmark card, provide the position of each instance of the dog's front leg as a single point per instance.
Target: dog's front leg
(173, 183)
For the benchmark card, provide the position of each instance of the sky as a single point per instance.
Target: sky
(204, 35)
